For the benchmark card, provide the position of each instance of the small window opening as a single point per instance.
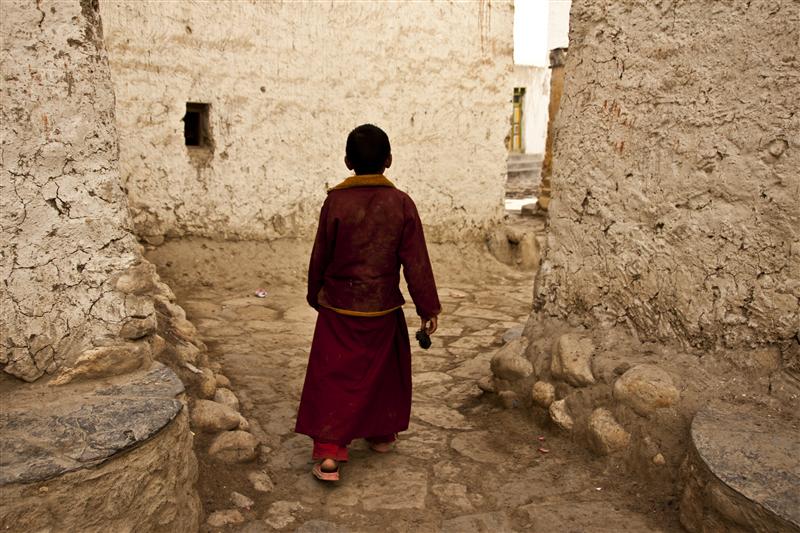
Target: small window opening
(196, 129)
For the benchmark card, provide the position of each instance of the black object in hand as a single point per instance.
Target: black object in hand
(424, 339)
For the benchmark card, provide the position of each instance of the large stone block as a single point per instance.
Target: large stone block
(107, 361)
(213, 417)
(227, 397)
(234, 447)
(510, 362)
(560, 416)
(606, 435)
(646, 388)
(572, 359)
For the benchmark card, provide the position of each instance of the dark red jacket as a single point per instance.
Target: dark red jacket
(367, 230)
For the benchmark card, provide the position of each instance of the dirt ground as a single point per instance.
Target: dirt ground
(466, 464)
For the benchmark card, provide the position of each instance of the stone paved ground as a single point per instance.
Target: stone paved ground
(465, 464)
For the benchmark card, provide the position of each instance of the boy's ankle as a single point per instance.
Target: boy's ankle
(329, 465)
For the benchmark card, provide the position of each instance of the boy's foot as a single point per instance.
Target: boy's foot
(326, 470)
(381, 447)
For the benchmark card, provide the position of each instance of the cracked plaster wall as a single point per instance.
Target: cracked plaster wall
(64, 217)
(286, 83)
(676, 191)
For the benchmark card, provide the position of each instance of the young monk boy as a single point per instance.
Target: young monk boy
(358, 381)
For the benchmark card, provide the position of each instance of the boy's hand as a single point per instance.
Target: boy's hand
(434, 323)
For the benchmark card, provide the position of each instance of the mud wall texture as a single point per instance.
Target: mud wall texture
(285, 83)
(63, 214)
(675, 180)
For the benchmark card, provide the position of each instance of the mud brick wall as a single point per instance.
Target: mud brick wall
(676, 191)
(63, 214)
(286, 82)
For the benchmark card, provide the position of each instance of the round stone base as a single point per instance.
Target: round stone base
(742, 473)
(116, 457)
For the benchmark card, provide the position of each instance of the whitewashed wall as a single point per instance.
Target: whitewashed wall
(558, 24)
(536, 81)
(286, 82)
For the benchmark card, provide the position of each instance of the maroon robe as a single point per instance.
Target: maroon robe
(358, 381)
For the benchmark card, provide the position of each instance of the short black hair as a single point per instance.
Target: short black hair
(367, 149)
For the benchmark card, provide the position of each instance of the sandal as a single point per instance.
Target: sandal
(322, 475)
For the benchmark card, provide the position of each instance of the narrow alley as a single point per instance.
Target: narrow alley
(466, 464)
(608, 190)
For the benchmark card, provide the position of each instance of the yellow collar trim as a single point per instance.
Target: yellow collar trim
(364, 180)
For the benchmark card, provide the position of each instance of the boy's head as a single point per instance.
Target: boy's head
(368, 150)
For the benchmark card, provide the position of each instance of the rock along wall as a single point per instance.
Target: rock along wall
(286, 82)
(676, 192)
(65, 223)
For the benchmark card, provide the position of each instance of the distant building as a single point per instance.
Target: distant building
(233, 121)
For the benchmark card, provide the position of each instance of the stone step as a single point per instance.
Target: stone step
(524, 168)
(524, 163)
(516, 156)
(521, 184)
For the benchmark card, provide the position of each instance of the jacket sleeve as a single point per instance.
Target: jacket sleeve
(319, 258)
(417, 265)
